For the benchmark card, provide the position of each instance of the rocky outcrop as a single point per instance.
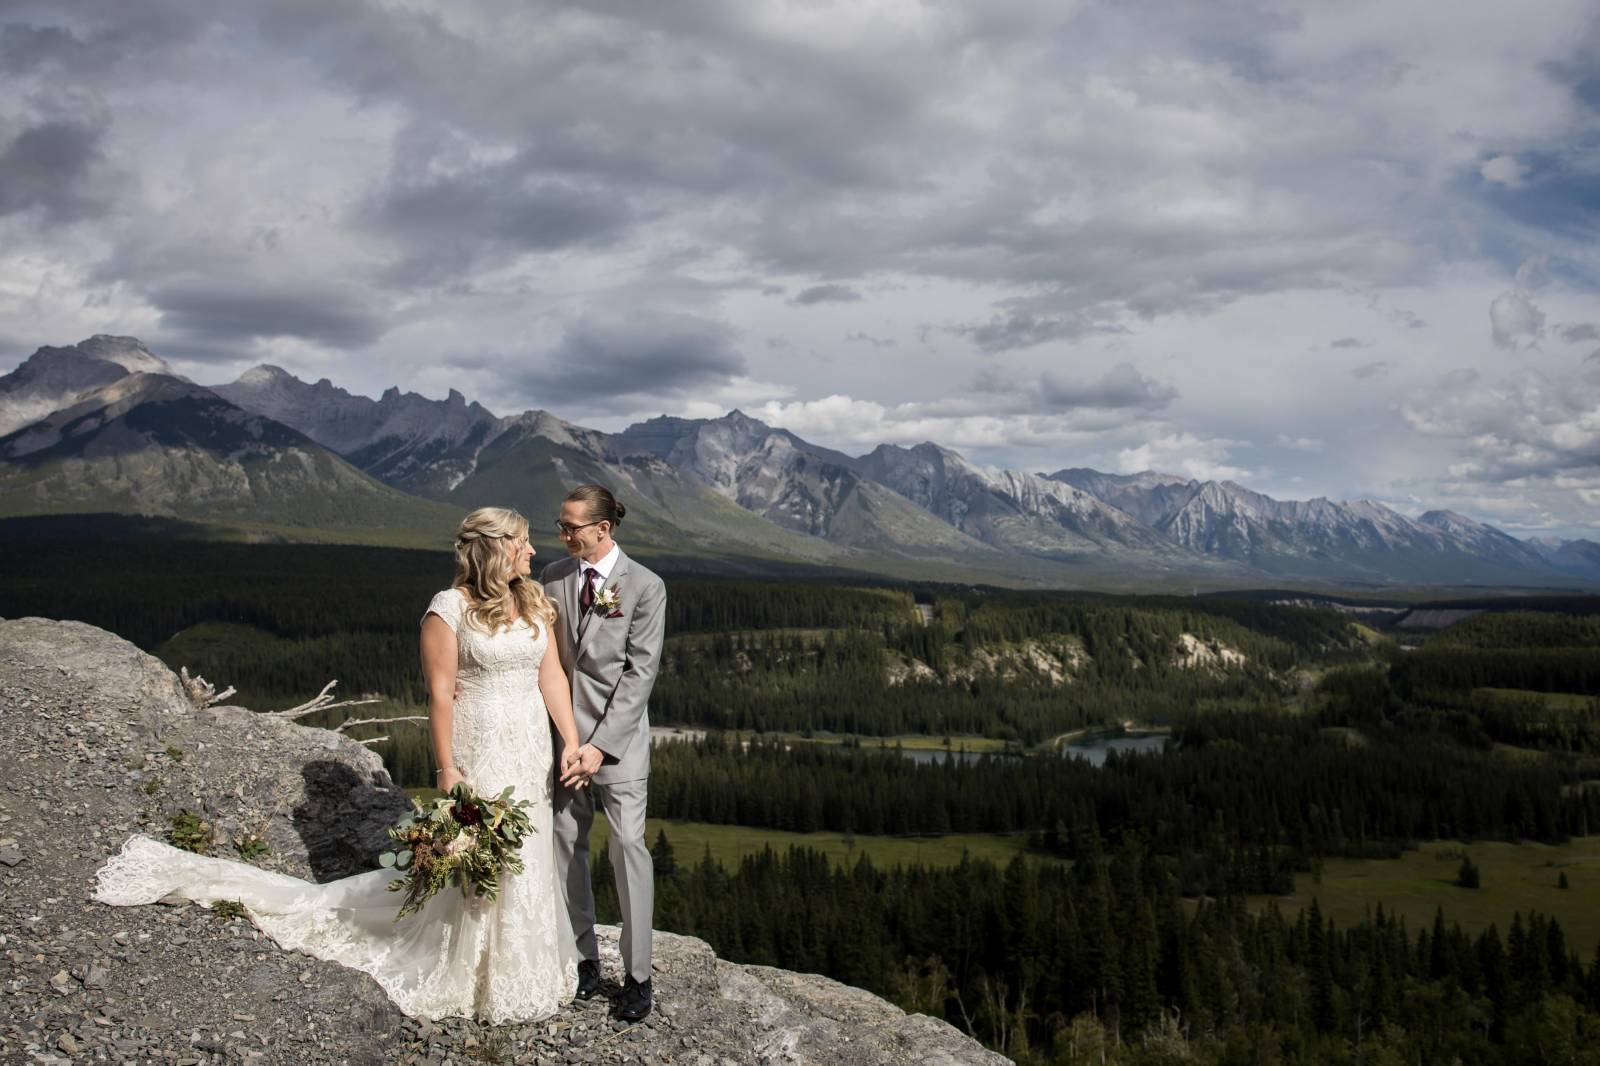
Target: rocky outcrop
(1198, 653)
(98, 741)
(1056, 661)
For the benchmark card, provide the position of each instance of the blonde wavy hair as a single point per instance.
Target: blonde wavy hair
(486, 569)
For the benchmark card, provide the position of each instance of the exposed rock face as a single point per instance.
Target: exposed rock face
(97, 741)
(1577, 557)
(1193, 653)
(1056, 661)
(749, 490)
(404, 439)
(1008, 509)
(1149, 496)
(792, 483)
(1228, 521)
(53, 378)
(151, 443)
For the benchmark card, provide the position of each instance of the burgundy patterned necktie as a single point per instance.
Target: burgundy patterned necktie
(586, 594)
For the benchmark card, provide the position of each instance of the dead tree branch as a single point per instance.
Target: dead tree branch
(201, 692)
(322, 701)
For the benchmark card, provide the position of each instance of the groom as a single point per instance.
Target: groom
(612, 613)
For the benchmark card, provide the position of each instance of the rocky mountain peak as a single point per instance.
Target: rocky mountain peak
(127, 352)
(1446, 519)
(402, 438)
(738, 418)
(266, 374)
(713, 447)
(139, 410)
(738, 425)
(53, 378)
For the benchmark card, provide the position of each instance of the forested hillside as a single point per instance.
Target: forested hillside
(1132, 929)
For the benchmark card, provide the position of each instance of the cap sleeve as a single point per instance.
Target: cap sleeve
(447, 605)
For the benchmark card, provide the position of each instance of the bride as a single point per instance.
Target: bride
(490, 685)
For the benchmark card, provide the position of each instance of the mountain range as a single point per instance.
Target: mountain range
(107, 426)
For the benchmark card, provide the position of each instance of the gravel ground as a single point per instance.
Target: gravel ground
(98, 741)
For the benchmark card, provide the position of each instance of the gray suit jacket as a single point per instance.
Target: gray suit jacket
(610, 662)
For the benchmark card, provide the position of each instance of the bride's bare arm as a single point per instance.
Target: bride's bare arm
(558, 699)
(439, 675)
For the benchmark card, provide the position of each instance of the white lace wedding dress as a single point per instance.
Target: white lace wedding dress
(513, 959)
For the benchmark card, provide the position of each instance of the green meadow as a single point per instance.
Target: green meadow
(1558, 701)
(1515, 877)
(730, 844)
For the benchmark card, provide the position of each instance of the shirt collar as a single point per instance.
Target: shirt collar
(605, 565)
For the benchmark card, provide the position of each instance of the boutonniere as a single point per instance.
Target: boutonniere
(608, 602)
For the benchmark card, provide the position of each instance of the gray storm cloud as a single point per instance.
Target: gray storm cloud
(826, 294)
(227, 313)
(58, 168)
(1120, 387)
(1199, 197)
(1025, 329)
(604, 355)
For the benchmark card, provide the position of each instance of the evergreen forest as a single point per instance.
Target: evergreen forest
(1140, 923)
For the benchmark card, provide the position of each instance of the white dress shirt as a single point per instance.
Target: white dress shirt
(604, 566)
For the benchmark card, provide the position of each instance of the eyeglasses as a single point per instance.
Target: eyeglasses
(566, 529)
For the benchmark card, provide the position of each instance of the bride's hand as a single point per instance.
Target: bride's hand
(450, 778)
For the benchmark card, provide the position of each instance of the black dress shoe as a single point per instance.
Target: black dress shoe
(588, 978)
(634, 1002)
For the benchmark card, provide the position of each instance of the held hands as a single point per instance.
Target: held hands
(580, 764)
(570, 775)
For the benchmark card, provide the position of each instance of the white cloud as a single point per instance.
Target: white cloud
(1530, 443)
(1504, 170)
(1513, 320)
(1123, 386)
(1184, 453)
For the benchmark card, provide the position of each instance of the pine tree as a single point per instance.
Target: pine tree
(661, 855)
(1319, 965)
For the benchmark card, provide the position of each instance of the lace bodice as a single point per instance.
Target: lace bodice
(500, 730)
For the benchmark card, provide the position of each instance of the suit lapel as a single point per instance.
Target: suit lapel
(593, 623)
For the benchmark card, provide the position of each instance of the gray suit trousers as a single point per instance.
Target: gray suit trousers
(624, 804)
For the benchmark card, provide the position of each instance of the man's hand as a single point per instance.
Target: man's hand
(589, 759)
(571, 776)
(582, 766)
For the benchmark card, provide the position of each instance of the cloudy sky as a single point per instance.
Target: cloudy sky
(1322, 249)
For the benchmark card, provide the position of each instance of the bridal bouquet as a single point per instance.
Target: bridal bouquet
(460, 838)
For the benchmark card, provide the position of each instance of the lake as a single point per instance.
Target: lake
(1094, 749)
